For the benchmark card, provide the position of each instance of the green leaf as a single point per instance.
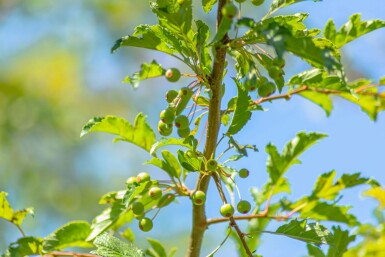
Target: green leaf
(147, 71)
(313, 233)
(326, 189)
(133, 191)
(189, 163)
(172, 163)
(188, 143)
(150, 37)
(324, 211)
(341, 240)
(202, 37)
(106, 219)
(322, 100)
(128, 234)
(162, 165)
(173, 16)
(25, 246)
(314, 251)
(208, 5)
(158, 247)
(351, 30)
(139, 134)
(110, 246)
(72, 234)
(278, 4)
(7, 213)
(241, 113)
(278, 164)
(223, 28)
(377, 193)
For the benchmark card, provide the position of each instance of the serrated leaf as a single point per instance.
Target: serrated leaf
(208, 5)
(188, 143)
(106, 219)
(173, 16)
(158, 247)
(146, 36)
(241, 149)
(324, 211)
(147, 70)
(341, 240)
(241, 113)
(25, 246)
(7, 213)
(351, 30)
(322, 100)
(72, 234)
(277, 164)
(139, 134)
(110, 246)
(189, 163)
(172, 162)
(162, 165)
(202, 37)
(313, 233)
(377, 193)
(278, 4)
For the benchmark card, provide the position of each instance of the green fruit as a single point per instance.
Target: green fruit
(168, 115)
(229, 10)
(279, 62)
(227, 210)
(183, 133)
(164, 129)
(211, 165)
(275, 72)
(172, 75)
(171, 95)
(131, 181)
(243, 173)
(243, 206)
(181, 122)
(190, 153)
(145, 224)
(262, 80)
(251, 84)
(266, 89)
(181, 102)
(137, 208)
(257, 2)
(199, 197)
(155, 193)
(143, 177)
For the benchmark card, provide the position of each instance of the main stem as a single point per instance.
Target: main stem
(199, 223)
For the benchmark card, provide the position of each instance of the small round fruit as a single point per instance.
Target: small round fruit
(266, 89)
(190, 153)
(185, 91)
(167, 115)
(131, 180)
(181, 122)
(244, 173)
(199, 197)
(279, 62)
(229, 10)
(172, 75)
(145, 224)
(227, 210)
(257, 2)
(171, 95)
(164, 129)
(183, 133)
(137, 208)
(211, 165)
(275, 72)
(243, 206)
(143, 177)
(262, 80)
(250, 85)
(155, 193)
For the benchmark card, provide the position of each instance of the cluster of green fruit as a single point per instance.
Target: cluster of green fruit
(230, 10)
(171, 116)
(154, 193)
